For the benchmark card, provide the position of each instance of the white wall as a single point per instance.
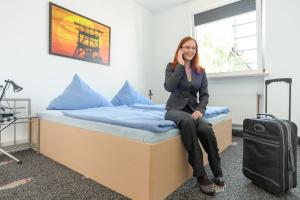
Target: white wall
(24, 48)
(282, 52)
(281, 48)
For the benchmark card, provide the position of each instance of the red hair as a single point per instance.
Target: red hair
(195, 66)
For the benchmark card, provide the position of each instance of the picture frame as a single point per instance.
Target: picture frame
(75, 36)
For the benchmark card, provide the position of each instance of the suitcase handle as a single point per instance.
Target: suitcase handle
(287, 80)
(259, 128)
(266, 114)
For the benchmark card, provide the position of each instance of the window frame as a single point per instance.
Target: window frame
(261, 71)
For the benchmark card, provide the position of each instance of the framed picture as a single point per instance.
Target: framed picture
(75, 36)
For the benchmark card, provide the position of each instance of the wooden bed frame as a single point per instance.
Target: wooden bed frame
(138, 170)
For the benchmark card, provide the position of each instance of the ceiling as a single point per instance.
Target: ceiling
(160, 5)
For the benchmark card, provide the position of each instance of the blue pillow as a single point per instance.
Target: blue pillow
(78, 95)
(128, 96)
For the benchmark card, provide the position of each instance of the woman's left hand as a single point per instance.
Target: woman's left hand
(196, 114)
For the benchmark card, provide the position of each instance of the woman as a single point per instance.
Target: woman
(185, 78)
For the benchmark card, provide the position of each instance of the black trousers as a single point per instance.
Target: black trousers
(191, 132)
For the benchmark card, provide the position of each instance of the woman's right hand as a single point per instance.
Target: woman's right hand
(180, 56)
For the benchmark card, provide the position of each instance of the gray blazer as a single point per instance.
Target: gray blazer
(184, 92)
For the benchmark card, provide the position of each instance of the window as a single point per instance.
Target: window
(228, 38)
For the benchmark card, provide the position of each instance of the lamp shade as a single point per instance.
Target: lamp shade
(16, 87)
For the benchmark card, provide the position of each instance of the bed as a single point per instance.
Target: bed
(140, 165)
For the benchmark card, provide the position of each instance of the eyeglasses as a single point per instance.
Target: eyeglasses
(190, 48)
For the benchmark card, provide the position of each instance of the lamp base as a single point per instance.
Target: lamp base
(6, 114)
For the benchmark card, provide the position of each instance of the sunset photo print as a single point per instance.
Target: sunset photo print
(75, 36)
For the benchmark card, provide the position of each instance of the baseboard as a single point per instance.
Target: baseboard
(237, 132)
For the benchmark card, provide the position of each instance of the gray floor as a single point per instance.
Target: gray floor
(54, 181)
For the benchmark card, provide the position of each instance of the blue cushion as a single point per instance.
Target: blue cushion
(78, 95)
(128, 96)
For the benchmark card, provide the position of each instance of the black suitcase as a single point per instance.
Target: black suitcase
(270, 150)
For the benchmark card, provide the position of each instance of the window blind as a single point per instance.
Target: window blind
(222, 12)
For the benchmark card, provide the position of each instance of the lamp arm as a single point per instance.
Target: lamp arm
(4, 89)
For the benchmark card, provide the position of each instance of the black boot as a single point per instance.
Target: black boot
(219, 181)
(219, 184)
(204, 186)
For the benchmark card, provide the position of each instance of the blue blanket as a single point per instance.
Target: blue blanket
(152, 120)
(211, 111)
(140, 116)
(161, 107)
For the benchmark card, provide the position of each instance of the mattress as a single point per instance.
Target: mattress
(127, 132)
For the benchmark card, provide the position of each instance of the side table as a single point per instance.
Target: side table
(33, 130)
